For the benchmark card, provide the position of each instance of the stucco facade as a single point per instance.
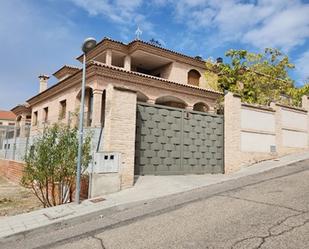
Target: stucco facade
(157, 75)
(118, 76)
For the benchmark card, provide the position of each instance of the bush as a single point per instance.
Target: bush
(51, 164)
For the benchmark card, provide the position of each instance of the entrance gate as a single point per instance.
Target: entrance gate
(176, 141)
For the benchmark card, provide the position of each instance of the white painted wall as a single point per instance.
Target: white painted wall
(257, 120)
(256, 142)
(294, 139)
(293, 119)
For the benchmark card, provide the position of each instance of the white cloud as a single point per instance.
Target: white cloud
(285, 29)
(302, 66)
(120, 11)
(263, 23)
(126, 14)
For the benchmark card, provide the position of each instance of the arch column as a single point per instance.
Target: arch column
(151, 101)
(22, 126)
(127, 62)
(97, 108)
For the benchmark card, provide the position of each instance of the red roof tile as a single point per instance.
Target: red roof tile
(7, 115)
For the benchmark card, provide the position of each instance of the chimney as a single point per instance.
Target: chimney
(219, 60)
(43, 82)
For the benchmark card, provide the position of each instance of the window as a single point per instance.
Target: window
(45, 114)
(11, 124)
(194, 77)
(200, 107)
(1, 123)
(63, 109)
(35, 118)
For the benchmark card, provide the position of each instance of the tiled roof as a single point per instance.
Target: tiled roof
(7, 115)
(153, 77)
(67, 66)
(165, 49)
(149, 44)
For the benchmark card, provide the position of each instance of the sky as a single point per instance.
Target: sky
(40, 36)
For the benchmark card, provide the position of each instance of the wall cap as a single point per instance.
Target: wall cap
(261, 107)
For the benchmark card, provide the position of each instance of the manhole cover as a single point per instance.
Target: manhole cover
(97, 200)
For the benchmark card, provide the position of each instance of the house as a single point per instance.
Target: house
(158, 75)
(7, 122)
(7, 118)
(152, 111)
(120, 78)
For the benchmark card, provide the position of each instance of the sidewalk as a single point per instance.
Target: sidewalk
(146, 187)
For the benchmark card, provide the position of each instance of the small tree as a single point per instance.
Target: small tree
(51, 164)
(258, 78)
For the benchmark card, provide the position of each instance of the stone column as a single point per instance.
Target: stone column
(305, 105)
(212, 110)
(127, 62)
(305, 102)
(151, 101)
(108, 59)
(278, 127)
(23, 126)
(119, 129)
(232, 132)
(97, 108)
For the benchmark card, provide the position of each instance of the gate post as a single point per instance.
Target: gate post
(305, 105)
(119, 129)
(232, 128)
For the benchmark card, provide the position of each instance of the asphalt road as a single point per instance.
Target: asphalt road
(268, 210)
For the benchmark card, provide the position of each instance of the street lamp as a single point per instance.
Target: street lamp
(88, 44)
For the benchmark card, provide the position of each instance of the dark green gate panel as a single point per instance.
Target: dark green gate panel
(176, 141)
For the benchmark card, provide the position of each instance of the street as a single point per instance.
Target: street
(269, 210)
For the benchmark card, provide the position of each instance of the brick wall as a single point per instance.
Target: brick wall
(11, 170)
(119, 130)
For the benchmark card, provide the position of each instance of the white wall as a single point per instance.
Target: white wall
(257, 130)
(294, 139)
(257, 120)
(294, 119)
(256, 142)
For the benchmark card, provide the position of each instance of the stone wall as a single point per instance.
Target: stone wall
(254, 133)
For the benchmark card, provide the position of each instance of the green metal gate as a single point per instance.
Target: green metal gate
(175, 141)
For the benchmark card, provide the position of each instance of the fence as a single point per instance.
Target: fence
(16, 141)
(254, 133)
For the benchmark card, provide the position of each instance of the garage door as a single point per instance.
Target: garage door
(177, 141)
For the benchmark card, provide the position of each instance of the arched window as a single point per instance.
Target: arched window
(200, 107)
(194, 77)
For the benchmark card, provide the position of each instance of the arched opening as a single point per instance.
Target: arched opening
(200, 107)
(18, 120)
(141, 97)
(194, 77)
(171, 101)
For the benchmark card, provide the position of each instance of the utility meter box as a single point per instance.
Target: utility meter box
(106, 162)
